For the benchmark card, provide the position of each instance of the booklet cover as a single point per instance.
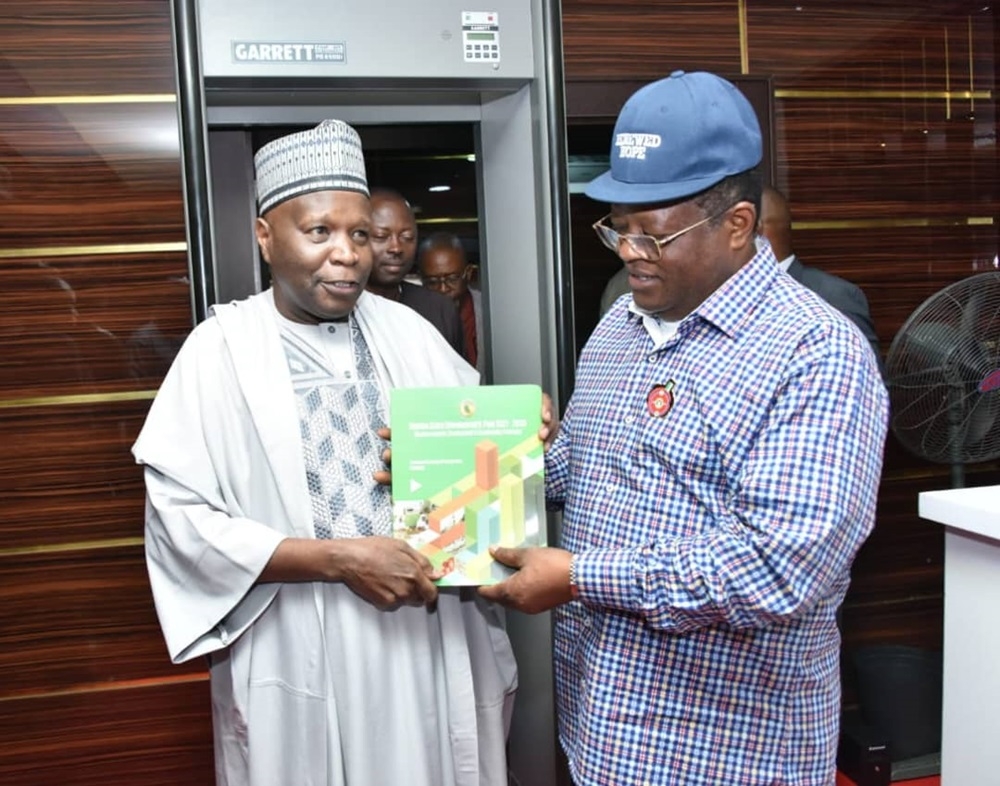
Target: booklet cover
(467, 473)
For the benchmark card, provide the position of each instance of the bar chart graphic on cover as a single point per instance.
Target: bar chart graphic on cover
(468, 472)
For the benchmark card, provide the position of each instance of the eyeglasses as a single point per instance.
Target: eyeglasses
(646, 246)
(443, 281)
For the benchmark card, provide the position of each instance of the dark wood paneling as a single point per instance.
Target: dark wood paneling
(158, 735)
(69, 47)
(91, 324)
(84, 175)
(858, 157)
(912, 547)
(898, 268)
(640, 39)
(914, 622)
(87, 692)
(67, 476)
(860, 44)
(98, 626)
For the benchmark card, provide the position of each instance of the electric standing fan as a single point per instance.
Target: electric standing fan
(943, 376)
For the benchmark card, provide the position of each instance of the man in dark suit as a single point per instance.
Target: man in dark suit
(776, 225)
(394, 248)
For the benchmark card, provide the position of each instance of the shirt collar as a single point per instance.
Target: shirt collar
(786, 263)
(760, 241)
(732, 303)
(728, 306)
(659, 330)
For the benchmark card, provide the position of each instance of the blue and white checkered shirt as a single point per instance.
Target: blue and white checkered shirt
(714, 538)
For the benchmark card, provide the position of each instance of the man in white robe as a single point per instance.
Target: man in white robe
(334, 659)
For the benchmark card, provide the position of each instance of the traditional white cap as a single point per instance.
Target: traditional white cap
(325, 158)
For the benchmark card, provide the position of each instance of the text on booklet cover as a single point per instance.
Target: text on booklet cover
(467, 474)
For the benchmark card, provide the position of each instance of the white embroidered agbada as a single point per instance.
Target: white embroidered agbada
(311, 685)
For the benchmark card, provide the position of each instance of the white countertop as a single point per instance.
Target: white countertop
(975, 510)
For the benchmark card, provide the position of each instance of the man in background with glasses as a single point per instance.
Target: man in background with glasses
(445, 269)
(717, 466)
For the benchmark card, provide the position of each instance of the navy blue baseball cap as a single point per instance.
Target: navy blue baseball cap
(677, 137)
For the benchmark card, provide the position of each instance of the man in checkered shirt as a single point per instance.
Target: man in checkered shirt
(717, 466)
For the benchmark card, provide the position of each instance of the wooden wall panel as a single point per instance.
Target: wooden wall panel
(67, 476)
(94, 302)
(85, 47)
(98, 627)
(83, 175)
(153, 735)
(887, 153)
(898, 267)
(884, 45)
(868, 160)
(91, 324)
(914, 622)
(644, 39)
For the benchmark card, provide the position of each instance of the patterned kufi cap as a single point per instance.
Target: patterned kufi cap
(325, 158)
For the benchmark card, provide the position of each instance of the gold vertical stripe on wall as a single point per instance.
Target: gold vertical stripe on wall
(744, 43)
(923, 75)
(972, 86)
(947, 77)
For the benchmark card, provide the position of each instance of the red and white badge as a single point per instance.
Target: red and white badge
(660, 399)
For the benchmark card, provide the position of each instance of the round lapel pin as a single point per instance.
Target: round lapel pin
(660, 399)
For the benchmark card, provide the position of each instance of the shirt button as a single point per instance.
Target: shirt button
(347, 374)
(650, 358)
(331, 329)
(629, 419)
(609, 487)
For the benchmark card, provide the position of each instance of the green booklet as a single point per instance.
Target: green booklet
(467, 473)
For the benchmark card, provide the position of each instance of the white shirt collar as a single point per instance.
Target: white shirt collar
(659, 330)
(786, 263)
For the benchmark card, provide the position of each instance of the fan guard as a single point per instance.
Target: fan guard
(943, 374)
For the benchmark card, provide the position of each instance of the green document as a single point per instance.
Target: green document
(467, 474)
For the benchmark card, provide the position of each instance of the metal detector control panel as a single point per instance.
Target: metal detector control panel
(481, 36)
(389, 39)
